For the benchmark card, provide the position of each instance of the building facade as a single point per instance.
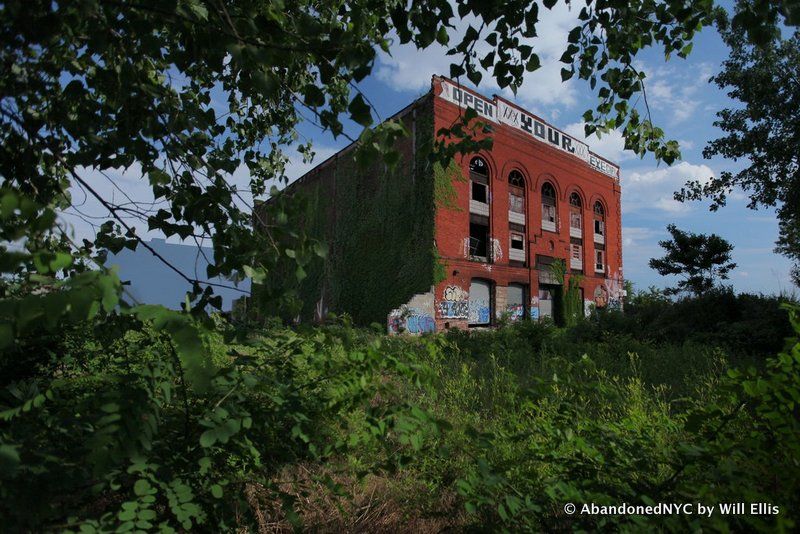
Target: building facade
(427, 248)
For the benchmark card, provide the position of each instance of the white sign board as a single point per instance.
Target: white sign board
(503, 113)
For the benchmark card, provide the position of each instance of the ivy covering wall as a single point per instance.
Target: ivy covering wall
(379, 227)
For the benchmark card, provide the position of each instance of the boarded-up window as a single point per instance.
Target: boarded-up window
(480, 302)
(515, 302)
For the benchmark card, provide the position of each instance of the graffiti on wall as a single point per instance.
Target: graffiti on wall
(600, 296)
(410, 320)
(454, 304)
(610, 293)
(479, 312)
(497, 250)
(515, 312)
(616, 291)
(455, 293)
(465, 247)
(534, 307)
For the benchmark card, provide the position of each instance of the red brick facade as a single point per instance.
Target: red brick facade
(539, 163)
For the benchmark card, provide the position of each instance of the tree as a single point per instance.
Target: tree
(764, 132)
(700, 259)
(182, 94)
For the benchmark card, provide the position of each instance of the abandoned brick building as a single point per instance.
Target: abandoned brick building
(423, 248)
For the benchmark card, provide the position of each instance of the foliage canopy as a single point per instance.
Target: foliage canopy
(700, 259)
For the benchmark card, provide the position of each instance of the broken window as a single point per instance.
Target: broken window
(600, 261)
(575, 215)
(546, 293)
(516, 203)
(516, 192)
(478, 166)
(517, 242)
(480, 193)
(479, 188)
(599, 219)
(548, 207)
(478, 239)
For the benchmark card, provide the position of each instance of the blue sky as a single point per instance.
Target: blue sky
(681, 99)
(683, 103)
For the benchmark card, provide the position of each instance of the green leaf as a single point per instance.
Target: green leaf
(360, 112)
(142, 487)
(158, 177)
(216, 491)
(9, 460)
(208, 438)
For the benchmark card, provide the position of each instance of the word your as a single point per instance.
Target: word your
(503, 113)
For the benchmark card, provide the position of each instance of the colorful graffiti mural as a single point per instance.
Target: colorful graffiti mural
(455, 303)
(515, 312)
(610, 293)
(600, 296)
(410, 320)
(454, 293)
(449, 309)
(616, 291)
(479, 312)
(534, 307)
(420, 324)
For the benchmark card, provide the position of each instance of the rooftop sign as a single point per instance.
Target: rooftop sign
(502, 113)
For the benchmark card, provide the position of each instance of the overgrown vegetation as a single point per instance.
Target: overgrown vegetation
(119, 416)
(493, 429)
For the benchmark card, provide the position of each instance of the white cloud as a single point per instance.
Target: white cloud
(654, 189)
(675, 90)
(408, 69)
(611, 145)
(635, 236)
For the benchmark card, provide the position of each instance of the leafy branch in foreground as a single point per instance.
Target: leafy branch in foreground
(120, 417)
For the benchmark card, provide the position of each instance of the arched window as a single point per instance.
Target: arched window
(575, 231)
(599, 219)
(516, 194)
(575, 215)
(548, 207)
(599, 238)
(479, 178)
(479, 249)
(478, 166)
